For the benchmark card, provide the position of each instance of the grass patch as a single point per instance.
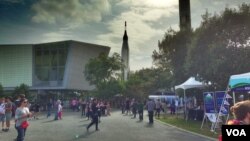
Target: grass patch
(190, 125)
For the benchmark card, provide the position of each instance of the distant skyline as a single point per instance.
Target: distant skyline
(100, 22)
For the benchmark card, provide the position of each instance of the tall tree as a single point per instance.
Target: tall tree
(172, 54)
(103, 68)
(147, 81)
(221, 46)
(22, 89)
(104, 72)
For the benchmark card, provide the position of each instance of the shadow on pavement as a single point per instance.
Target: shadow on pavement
(149, 125)
(84, 125)
(49, 121)
(85, 135)
(85, 120)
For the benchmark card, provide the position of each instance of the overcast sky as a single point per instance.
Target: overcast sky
(100, 22)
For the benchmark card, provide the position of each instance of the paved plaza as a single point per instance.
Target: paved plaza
(116, 127)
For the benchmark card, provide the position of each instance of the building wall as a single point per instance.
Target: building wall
(15, 65)
(79, 55)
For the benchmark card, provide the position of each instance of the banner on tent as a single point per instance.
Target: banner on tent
(222, 106)
(241, 88)
(209, 102)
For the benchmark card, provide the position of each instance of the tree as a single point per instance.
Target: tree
(147, 81)
(172, 54)
(103, 68)
(220, 46)
(103, 72)
(22, 89)
(109, 89)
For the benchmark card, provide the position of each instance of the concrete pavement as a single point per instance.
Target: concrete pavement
(116, 127)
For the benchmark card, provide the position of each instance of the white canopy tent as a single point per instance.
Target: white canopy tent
(190, 83)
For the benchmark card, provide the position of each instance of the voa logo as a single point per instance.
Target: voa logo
(236, 132)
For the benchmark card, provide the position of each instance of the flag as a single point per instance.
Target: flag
(223, 111)
(228, 96)
(226, 103)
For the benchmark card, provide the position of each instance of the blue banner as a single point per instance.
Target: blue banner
(220, 106)
(209, 102)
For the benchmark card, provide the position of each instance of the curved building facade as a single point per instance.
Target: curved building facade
(47, 66)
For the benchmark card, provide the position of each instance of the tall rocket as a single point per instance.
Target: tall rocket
(125, 55)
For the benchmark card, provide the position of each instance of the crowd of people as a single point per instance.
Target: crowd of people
(21, 110)
(134, 107)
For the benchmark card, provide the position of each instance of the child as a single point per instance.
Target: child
(59, 110)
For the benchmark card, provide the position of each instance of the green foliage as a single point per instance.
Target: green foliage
(22, 89)
(109, 89)
(172, 53)
(103, 68)
(193, 126)
(1, 90)
(103, 72)
(218, 48)
(147, 81)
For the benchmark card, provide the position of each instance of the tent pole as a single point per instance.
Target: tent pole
(185, 108)
(234, 96)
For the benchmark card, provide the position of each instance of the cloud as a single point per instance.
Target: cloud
(141, 16)
(56, 36)
(150, 3)
(13, 1)
(72, 12)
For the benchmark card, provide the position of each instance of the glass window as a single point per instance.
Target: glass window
(50, 60)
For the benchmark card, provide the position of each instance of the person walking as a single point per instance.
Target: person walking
(83, 104)
(134, 108)
(21, 117)
(94, 115)
(59, 110)
(2, 112)
(56, 110)
(140, 110)
(88, 109)
(158, 108)
(99, 111)
(49, 107)
(127, 106)
(123, 105)
(8, 113)
(172, 107)
(150, 107)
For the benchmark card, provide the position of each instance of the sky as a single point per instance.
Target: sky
(100, 22)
